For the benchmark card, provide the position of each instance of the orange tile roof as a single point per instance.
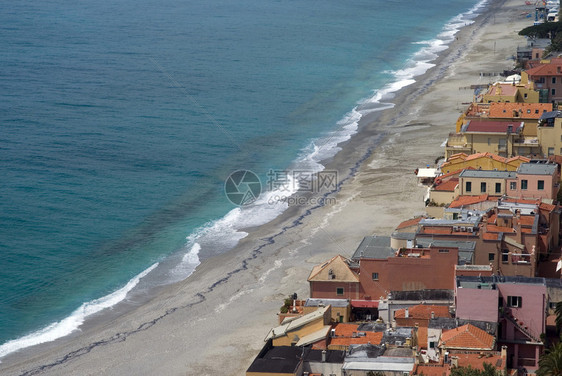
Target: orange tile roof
(423, 311)
(490, 236)
(467, 337)
(468, 200)
(437, 230)
(344, 336)
(527, 220)
(452, 173)
(520, 201)
(448, 186)
(547, 207)
(494, 228)
(433, 370)
(506, 89)
(409, 222)
(476, 361)
(550, 69)
(524, 110)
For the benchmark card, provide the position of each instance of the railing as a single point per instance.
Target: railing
(508, 314)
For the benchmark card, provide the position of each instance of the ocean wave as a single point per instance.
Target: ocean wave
(75, 320)
(221, 235)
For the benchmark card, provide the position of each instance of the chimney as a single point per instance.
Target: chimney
(406, 313)
(454, 361)
(323, 356)
(432, 314)
(504, 352)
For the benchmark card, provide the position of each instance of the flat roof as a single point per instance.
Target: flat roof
(537, 168)
(491, 174)
(310, 302)
(374, 247)
(279, 359)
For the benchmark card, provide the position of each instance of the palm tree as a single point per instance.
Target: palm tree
(550, 363)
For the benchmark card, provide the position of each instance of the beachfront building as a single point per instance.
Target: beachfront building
(523, 91)
(521, 316)
(302, 330)
(334, 279)
(546, 78)
(481, 161)
(393, 361)
(485, 136)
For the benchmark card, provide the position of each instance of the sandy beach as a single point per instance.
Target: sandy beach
(215, 321)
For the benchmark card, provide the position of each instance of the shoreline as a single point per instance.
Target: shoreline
(291, 250)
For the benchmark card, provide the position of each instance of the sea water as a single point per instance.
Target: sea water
(120, 122)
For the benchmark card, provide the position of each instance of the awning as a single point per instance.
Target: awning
(365, 303)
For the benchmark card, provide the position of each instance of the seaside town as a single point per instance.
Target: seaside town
(473, 286)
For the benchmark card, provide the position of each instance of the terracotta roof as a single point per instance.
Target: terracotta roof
(468, 200)
(553, 68)
(337, 267)
(344, 336)
(467, 337)
(409, 223)
(490, 236)
(433, 370)
(447, 186)
(476, 361)
(527, 220)
(547, 207)
(523, 110)
(490, 126)
(502, 89)
(423, 311)
(494, 228)
(452, 173)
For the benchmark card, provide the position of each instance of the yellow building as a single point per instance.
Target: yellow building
(549, 133)
(294, 330)
(486, 136)
(482, 161)
(524, 92)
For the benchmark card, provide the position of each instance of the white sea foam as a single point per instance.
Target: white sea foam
(74, 321)
(223, 234)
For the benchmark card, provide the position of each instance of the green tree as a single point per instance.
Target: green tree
(550, 363)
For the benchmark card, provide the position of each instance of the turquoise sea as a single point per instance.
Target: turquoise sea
(121, 120)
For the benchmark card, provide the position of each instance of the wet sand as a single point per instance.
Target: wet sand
(215, 321)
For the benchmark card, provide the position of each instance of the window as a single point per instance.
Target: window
(513, 185)
(505, 256)
(525, 96)
(375, 276)
(498, 187)
(443, 251)
(553, 80)
(540, 185)
(339, 291)
(482, 187)
(489, 141)
(514, 301)
(432, 344)
(468, 186)
(553, 91)
(491, 256)
(523, 184)
(550, 151)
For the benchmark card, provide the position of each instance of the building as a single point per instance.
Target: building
(519, 306)
(389, 361)
(536, 180)
(303, 330)
(334, 279)
(485, 136)
(420, 314)
(546, 78)
(481, 161)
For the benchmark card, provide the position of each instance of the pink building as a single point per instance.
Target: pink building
(536, 180)
(517, 304)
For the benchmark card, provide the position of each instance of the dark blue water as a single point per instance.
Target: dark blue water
(120, 121)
